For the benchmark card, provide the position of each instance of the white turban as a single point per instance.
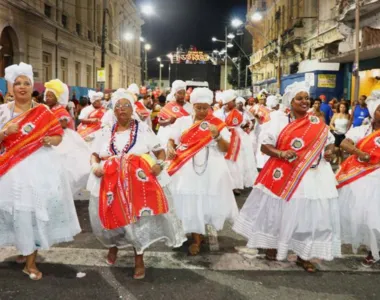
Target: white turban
(122, 94)
(201, 95)
(240, 100)
(178, 85)
(272, 101)
(95, 96)
(170, 97)
(218, 96)
(59, 89)
(14, 71)
(292, 90)
(228, 96)
(134, 89)
(373, 102)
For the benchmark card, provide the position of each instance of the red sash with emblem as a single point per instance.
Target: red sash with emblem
(35, 124)
(234, 118)
(352, 168)
(193, 140)
(141, 110)
(129, 191)
(307, 136)
(172, 110)
(263, 112)
(86, 129)
(62, 114)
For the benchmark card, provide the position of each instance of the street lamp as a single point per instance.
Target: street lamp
(236, 23)
(231, 36)
(147, 47)
(229, 45)
(128, 36)
(161, 66)
(159, 59)
(214, 39)
(147, 9)
(142, 40)
(256, 17)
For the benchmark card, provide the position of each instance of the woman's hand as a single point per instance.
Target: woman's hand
(363, 156)
(214, 131)
(329, 155)
(46, 141)
(171, 154)
(12, 129)
(156, 170)
(97, 170)
(288, 154)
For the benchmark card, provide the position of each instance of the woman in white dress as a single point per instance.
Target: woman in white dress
(359, 188)
(129, 136)
(201, 184)
(294, 203)
(36, 204)
(73, 150)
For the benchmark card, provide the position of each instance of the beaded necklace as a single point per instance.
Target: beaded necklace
(134, 127)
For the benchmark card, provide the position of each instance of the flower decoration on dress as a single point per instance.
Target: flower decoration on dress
(27, 128)
(278, 174)
(297, 144)
(110, 198)
(235, 121)
(146, 212)
(314, 120)
(141, 175)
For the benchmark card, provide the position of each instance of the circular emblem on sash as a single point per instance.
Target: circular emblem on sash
(314, 120)
(175, 109)
(377, 141)
(109, 198)
(203, 126)
(146, 212)
(235, 121)
(277, 174)
(27, 128)
(141, 175)
(297, 144)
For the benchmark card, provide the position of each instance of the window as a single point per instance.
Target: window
(89, 76)
(77, 73)
(89, 35)
(47, 10)
(110, 76)
(46, 66)
(64, 21)
(64, 69)
(78, 28)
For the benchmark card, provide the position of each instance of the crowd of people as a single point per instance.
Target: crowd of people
(160, 167)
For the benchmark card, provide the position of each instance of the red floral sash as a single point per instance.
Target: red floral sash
(234, 118)
(35, 124)
(307, 136)
(129, 191)
(62, 114)
(352, 168)
(141, 110)
(86, 129)
(193, 140)
(263, 112)
(172, 109)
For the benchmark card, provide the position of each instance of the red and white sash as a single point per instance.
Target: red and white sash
(62, 114)
(86, 129)
(172, 110)
(234, 119)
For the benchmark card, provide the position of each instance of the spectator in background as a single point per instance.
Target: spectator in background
(71, 108)
(360, 112)
(316, 109)
(339, 126)
(8, 97)
(326, 109)
(334, 104)
(35, 95)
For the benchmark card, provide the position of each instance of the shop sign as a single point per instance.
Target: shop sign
(327, 81)
(101, 75)
(310, 78)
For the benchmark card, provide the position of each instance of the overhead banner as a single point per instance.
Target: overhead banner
(195, 56)
(327, 81)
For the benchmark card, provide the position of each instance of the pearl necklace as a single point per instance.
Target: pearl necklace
(134, 126)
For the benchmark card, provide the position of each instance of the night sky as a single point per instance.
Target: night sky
(187, 22)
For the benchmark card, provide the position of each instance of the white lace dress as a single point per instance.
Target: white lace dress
(360, 205)
(148, 230)
(307, 224)
(36, 204)
(203, 198)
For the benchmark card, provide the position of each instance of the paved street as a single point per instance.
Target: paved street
(231, 273)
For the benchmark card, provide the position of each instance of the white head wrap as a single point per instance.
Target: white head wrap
(373, 102)
(218, 96)
(272, 101)
(134, 89)
(122, 94)
(95, 96)
(201, 95)
(170, 97)
(178, 85)
(59, 89)
(240, 100)
(14, 71)
(228, 96)
(292, 90)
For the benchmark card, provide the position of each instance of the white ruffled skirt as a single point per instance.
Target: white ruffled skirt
(250, 172)
(140, 235)
(308, 224)
(75, 155)
(359, 213)
(36, 204)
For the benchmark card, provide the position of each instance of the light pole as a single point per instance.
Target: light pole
(147, 47)
(170, 56)
(227, 45)
(160, 80)
(357, 51)
(159, 65)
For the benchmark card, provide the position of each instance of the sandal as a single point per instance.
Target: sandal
(194, 249)
(21, 259)
(271, 255)
(306, 265)
(111, 258)
(139, 273)
(33, 274)
(369, 261)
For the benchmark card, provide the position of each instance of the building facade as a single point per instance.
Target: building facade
(309, 39)
(62, 39)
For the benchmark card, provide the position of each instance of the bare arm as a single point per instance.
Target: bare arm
(349, 146)
(332, 123)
